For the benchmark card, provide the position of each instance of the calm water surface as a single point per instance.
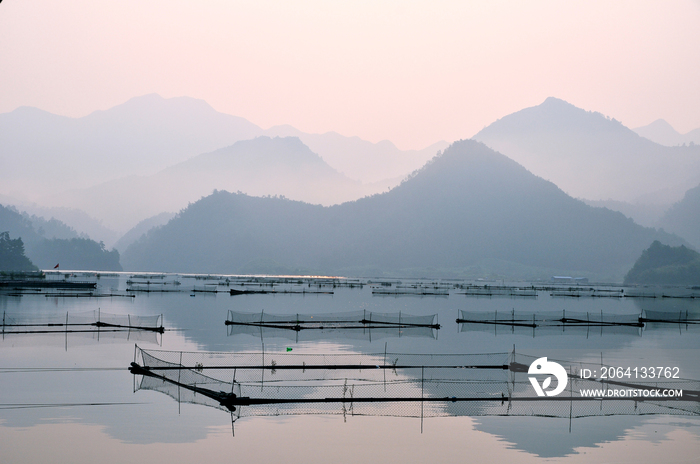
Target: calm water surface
(70, 398)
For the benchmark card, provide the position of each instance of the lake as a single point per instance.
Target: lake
(68, 396)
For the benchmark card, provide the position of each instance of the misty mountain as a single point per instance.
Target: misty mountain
(46, 250)
(262, 166)
(79, 221)
(663, 133)
(665, 265)
(590, 156)
(18, 225)
(43, 153)
(141, 228)
(470, 211)
(683, 218)
(74, 254)
(647, 215)
(362, 160)
(51, 228)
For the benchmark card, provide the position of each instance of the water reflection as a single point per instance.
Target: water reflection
(403, 385)
(197, 325)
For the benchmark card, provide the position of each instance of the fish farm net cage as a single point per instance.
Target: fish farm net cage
(84, 321)
(512, 292)
(385, 384)
(569, 322)
(331, 333)
(344, 320)
(548, 319)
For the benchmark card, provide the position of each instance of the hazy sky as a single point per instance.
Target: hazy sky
(412, 72)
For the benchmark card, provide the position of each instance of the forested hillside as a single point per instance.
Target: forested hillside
(470, 211)
(68, 253)
(665, 265)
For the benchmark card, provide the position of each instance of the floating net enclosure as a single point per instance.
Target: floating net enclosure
(671, 317)
(411, 291)
(331, 333)
(549, 323)
(551, 330)
(80, 328)
(548, 319)
(153, 288)
(280, 291)
(511, 292)
(87, 321)
(569, 322)
(386, 384)
(346, 321)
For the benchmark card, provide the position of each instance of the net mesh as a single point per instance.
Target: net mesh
(503, 292)
(543, 319)
(349, 319)
(77, 321)
(329, 333)
(577, 330)
(185, 385)
(390, 384)
(681, 317)
(417, 291)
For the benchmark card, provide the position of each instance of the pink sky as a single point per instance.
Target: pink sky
(412, 72)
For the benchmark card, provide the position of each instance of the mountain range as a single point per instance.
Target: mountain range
(261, 166)
(683, 218)
(50, 243)
(362, 160)
(137, 164)
(43, 153)
(663, 133)
(82, 223)
(469, 211)
(49, 161)
(592, 157)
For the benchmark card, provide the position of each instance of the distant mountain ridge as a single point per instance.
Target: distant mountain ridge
(261, 166)
(46, 248)
(80, 221)
(141, 228)
(590, 156)
(470, 211)
(683, 218)
(359, 159)
(47, 161)
(663, 133)
(43, 153)
(46, 152)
